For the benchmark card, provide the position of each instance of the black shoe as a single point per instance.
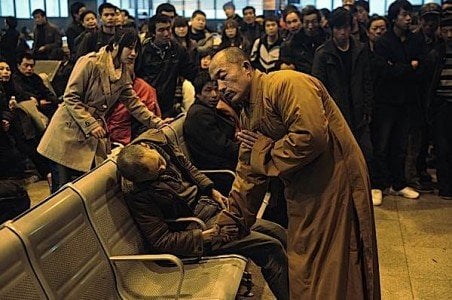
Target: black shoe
(421, 187)
(445, 197)
(425, 177)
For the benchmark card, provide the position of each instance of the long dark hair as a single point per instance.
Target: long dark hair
(125, 37)
(6, 88)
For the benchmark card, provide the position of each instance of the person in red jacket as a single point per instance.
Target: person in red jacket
(120, 123)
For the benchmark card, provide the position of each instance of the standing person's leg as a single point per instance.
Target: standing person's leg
(268, 253)
(398, 148)
(28, 148)
(413, 143)
(443, 145)
(62, 175)
(381, 127)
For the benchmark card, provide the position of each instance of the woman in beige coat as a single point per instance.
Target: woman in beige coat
(76, 138)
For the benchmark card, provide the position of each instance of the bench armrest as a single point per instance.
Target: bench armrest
(201, 224)
(155, 257)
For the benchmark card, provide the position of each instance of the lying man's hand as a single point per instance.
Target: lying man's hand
(229, 233)
(218, 197)
(209, 234)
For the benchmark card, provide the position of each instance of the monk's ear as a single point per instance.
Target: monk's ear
(247, 65)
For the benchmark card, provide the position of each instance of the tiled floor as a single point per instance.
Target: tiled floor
(414, 243)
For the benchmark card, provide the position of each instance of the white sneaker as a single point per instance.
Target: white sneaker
(406, 192)
(377, 197)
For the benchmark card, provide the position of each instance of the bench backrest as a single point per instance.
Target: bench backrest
(17, 278)
(175, 132)
(101, 192)
(64, 249)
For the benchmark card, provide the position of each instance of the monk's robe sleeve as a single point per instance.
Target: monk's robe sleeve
(299, 104)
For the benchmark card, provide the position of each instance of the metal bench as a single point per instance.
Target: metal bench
(17, 278)
(207, 278)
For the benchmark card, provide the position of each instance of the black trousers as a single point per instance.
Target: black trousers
(442, 124)
(390, 127)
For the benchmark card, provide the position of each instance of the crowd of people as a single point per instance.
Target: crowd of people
(330, 110)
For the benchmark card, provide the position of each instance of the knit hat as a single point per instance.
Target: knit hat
(430, 9)
(340, 17)
(446, 20)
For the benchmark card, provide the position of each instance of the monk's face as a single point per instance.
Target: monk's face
(234, 79)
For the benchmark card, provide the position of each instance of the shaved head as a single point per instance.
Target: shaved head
(230, 55)
(233, 72)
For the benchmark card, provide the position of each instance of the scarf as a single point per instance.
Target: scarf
(107, 69)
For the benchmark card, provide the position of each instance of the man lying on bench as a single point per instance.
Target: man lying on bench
(167, 186)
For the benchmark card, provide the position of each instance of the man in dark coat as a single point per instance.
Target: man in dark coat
(47, 36)
(163, 60)
(28, 84)
(298, 52)
(93, 41)
(75, 28)
(439, 106)
(342, 64)
(249, 28)
(210, 136)
(210, 133)
(397, 96)
(167, 186)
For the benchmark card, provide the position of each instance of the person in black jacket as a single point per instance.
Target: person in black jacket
(298, 52)
(93, 41)
(439, 106)
(210, 132)
(9, 42)
(167, 186)
(397, 95)
(47, 36)
(75, 28)
(210, 135)
(250, 29)
(163, 60)
(11, 162)
(342, 64)
(29, 85)
(19, 125)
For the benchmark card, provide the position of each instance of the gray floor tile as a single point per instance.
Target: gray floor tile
(429, 263)
(423, 233)
(388, 210)
(426, 211)
(426, 289)
(392, 260)
(396, 287)
(388, 233)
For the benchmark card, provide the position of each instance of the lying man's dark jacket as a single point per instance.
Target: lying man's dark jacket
(173, 195)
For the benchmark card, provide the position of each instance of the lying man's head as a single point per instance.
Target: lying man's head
(140, 162)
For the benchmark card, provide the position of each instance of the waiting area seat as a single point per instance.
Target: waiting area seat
(119, 235)
(82, 243)
(17, 278)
